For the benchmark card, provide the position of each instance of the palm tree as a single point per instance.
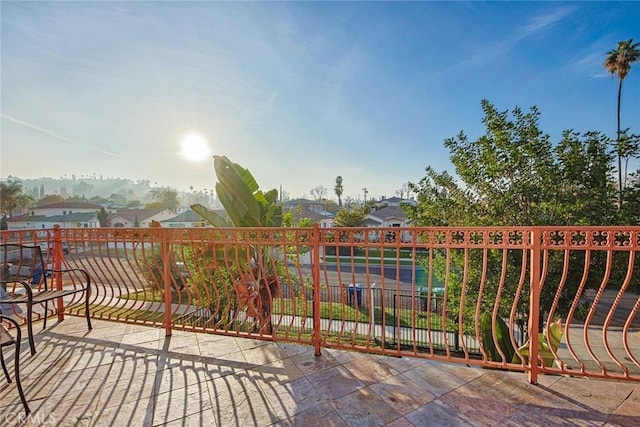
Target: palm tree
(338, 189)
(10, 195)
(619, 62)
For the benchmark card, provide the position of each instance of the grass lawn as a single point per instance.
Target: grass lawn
(329, 310)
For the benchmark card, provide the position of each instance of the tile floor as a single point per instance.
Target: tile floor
(130, 375)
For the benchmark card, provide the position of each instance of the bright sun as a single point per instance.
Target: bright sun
(194, 147)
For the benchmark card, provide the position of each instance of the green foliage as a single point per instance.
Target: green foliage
(582, 311)
(211, 283)
(243, 201)
(547, 346)
(295, 218)
(102, 217)
(153, 270)
(514, 176)
(165, 197)
(246, 206)
(498, 340)
(502, 338)
(339, 189)
(349, 217)
(585, 189)
(12, 196)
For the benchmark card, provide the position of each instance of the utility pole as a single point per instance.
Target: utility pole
(365, 194)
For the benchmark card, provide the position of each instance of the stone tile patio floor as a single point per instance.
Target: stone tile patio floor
(131, 375)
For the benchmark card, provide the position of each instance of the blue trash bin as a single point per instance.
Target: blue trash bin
(355, 295)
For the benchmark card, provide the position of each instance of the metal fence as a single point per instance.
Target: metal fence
(469, 295)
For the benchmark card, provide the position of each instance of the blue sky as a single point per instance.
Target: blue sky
(298, 93)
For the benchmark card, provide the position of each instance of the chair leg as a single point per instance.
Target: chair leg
(4, 366)
(32, 343)
(46, 312)
(86, 309)
(16, 359)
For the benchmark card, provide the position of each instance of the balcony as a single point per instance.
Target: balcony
(122, 374)
(334, 328)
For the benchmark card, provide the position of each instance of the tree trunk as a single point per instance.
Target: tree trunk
(618, 149)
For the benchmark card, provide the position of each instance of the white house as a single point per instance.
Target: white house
(394, 202)
(73, 220)
(188, 219)
(386, 217)
(64, 208)
(138, 217)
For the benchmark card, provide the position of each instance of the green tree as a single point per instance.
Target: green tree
(585, 180)
(618, 62)
(165, 197)
(102, 217)
(118, 200)
(295, 218)
(12, 196)
(338, 189)
(514, 176)
(353, 217)
(630, 212)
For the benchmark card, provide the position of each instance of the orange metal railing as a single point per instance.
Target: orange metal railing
(493, 297)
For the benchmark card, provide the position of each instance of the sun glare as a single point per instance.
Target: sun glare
(194, 147)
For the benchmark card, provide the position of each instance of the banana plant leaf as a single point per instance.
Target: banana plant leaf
(502, 338)
(546, 349)
(235, 189)
(211, 217)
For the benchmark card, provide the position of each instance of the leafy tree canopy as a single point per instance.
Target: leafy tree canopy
(349, 217)
(513, 175)
(164, 197)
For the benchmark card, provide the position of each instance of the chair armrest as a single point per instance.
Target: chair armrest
(9, 319)
(26, 286)
(5, 336)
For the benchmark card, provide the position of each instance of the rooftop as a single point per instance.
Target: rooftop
(126, 374)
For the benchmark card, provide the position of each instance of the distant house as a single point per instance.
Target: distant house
(394, 202)
(188, 219)
(64, 208)
(323, 219)
(306, 205)
(70, 220)
(64, 214)
(386, 217)
(138, 217)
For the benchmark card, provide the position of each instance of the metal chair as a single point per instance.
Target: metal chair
(6, 340)
(23, 266)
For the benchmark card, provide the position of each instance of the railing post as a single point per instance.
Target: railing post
(534, 304)
(316, 288)
(58, 256)
(166, 277)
